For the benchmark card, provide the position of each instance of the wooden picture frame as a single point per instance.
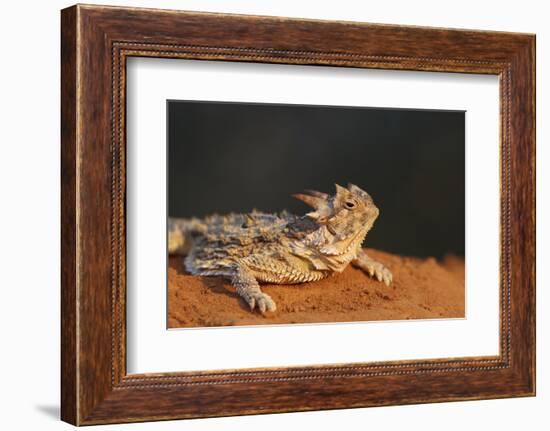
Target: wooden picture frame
(95, 43)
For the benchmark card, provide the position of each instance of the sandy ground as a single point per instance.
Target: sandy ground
(421, 289)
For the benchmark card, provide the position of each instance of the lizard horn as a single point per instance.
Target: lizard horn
(340, 190)
(317, 194)
(359, 191)
(312, 201)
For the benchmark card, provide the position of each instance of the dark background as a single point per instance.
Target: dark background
(225, 157)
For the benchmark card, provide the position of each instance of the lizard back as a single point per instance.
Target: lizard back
(218, 242)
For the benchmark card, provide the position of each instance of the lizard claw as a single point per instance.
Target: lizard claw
(387, 276)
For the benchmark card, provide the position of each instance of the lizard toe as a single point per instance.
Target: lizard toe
(263, 302)
(251, 303)
(262, 305)
(271, 305)
(380, 273)
(384, 275)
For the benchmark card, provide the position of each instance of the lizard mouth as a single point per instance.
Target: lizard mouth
(331, 229)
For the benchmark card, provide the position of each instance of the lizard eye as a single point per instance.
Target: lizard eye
(349, 204)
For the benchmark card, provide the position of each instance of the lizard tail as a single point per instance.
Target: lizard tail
(180, 232)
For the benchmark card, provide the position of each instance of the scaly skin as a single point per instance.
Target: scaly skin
(284, 248)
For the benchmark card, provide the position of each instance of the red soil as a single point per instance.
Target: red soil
(421, 289)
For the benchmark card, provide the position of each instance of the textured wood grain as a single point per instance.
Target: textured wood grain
(69, 367)
(96, 41)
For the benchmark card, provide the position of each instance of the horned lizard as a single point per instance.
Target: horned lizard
(280, 248)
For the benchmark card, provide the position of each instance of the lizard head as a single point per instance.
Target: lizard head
(347, 213)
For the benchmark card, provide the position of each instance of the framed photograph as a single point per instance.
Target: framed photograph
(263, 214)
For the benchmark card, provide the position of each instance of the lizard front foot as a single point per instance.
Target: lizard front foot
(248, 288)
(379, 271)
(261, 300)
(373, 268)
